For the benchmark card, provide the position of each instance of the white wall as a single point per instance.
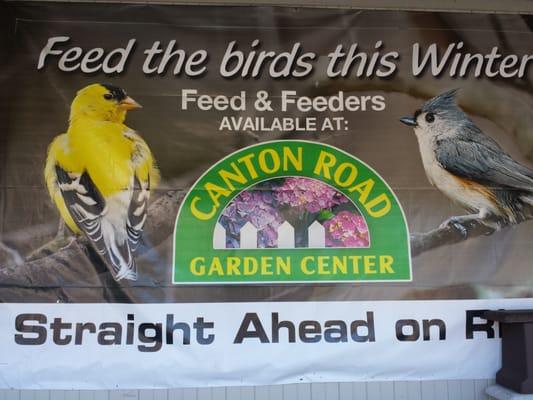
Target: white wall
(426, 390)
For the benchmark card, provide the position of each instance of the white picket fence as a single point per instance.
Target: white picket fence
(316, 236)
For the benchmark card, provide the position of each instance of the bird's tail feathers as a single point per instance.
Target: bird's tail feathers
(117, 253)
(528, 199)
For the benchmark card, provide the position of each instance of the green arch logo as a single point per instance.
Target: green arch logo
(290, 211)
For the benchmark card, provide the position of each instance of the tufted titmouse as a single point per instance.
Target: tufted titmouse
(469, 167)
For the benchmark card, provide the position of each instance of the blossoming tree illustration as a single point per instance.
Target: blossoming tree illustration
(301, 206)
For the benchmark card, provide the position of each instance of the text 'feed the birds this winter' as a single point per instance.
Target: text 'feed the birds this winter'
(205, 191)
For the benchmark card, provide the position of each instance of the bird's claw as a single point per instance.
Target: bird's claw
(461, 229)
(456, 223)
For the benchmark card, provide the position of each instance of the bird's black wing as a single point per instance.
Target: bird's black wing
(482, 160)
(88, 210)
(137, 211)
(83, 200)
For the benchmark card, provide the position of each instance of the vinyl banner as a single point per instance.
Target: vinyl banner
(207, 196)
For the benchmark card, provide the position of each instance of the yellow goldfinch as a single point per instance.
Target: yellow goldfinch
(99, 175)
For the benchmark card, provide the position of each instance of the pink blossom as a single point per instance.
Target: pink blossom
(308, 194)
(346, 229)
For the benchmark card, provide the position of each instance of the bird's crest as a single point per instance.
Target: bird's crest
(443, 102)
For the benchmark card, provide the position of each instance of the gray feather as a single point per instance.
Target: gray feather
(441, 103)
(482, 163)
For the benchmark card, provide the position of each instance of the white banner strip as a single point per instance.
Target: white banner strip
(110, 346)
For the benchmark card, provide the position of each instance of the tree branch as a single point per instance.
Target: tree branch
(446, 234)
(15, 256)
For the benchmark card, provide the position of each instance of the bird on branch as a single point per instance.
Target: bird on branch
(99, 175)
(469, 167)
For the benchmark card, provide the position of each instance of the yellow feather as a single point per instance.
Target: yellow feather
(58, 150)
(105, 153)
(145, 167)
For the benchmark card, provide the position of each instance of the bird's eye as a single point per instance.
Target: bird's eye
(108, 96)
(430, 117)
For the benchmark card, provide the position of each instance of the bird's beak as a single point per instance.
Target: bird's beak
(129, 104)
(409, 121)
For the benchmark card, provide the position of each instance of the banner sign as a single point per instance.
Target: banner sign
(188, 344)
(260, 195)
